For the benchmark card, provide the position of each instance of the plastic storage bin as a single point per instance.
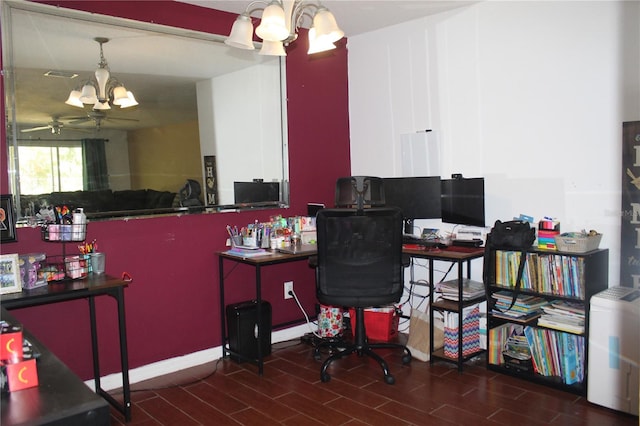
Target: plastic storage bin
(379, 323)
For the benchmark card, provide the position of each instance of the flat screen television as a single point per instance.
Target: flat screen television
(418, 198)
(256, 192)
(463, 201)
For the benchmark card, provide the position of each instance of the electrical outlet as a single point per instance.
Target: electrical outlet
(288, 286)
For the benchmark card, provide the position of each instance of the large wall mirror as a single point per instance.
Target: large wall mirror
(208, 117)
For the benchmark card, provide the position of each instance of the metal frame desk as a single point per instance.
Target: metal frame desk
(459, 256)
(272, 258)
(60, 397)
(88, 288)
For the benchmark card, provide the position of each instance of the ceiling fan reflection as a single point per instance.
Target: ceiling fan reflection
(98, 117)
(55, 126)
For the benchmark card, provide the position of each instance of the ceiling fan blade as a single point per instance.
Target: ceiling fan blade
(80, 120)
(121, 119)
(35, 129)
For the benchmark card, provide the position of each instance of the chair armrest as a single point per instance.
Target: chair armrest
(406, 260)
(313, 261)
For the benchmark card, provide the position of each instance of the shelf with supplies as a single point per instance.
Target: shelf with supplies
(540, 332)
(462, 336)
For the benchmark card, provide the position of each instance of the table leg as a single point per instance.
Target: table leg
(94, 343)
(125, 407)
(259, 320)
(223, 326)
(460, 313)
(124, 354)
(432, 287)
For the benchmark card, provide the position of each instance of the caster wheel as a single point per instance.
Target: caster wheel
(406, 359)
(389, 379)
(325, 378)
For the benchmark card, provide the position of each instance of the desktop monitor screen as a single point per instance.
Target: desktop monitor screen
(463, 201)
(256, 192)
(417, 197)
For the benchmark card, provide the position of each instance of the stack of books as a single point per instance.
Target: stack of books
(247, 252)
(470, 289)
(564, 316)
(525, 308)
(548, 228)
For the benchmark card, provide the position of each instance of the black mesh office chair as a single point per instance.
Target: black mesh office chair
(359, 265)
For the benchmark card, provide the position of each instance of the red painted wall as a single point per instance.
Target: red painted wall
(172, 306)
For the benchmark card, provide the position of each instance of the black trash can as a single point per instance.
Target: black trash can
(242, 328)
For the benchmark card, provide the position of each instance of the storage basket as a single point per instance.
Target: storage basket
(55, 232)
(58, 268)
(470, 332)
(577, 242)
(379, 323)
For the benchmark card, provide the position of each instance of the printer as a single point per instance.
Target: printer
(614, 349)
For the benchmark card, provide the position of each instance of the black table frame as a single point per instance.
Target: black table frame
(460, 258)
(88, 288)
(257, 262)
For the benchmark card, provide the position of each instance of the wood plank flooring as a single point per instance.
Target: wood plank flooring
(290, 393)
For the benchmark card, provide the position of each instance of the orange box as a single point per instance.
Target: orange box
(10, 342)
(379, 323)
(20, 375)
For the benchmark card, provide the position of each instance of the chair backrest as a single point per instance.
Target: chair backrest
(359, 257)
(359, 191)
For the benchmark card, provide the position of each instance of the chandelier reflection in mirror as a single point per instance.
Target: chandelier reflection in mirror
(104, 91)
(279, 27)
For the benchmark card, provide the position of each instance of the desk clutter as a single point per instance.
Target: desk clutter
(550, 237)
(278, 233)
(33, 270)
(18, 368)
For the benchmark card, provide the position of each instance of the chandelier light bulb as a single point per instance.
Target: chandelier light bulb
(102, 77)
(273, 26)
(241, 35)
(74, 99)
(272, 48)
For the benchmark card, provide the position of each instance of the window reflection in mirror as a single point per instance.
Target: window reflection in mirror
(207, 116)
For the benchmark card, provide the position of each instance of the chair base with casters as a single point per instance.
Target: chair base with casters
(361, 347)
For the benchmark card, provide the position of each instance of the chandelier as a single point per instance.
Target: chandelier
(279, 27)
(103, 91)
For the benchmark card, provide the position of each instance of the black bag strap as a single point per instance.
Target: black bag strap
(487, 256)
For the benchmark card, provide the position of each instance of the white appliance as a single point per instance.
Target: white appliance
(614, 349)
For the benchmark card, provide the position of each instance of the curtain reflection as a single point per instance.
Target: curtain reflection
(94, 164)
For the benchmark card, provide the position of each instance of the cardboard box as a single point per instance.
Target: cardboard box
(10, 342)
(18, 375)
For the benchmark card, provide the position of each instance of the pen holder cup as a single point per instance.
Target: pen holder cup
(249, 241)
(236, 240)
(97, 262)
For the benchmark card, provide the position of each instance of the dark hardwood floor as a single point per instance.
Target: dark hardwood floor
(290, 393)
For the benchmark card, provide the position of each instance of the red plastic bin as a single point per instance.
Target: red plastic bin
(379, 323)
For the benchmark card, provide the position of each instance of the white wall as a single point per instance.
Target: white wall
(530, 95)
(241, 124)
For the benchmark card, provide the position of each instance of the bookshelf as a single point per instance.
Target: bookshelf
(544, 336)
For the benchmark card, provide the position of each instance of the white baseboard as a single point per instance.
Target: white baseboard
(160, 368)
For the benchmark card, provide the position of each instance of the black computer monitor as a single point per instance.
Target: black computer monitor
(256, 192)
(463, 201)
(417, 197)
